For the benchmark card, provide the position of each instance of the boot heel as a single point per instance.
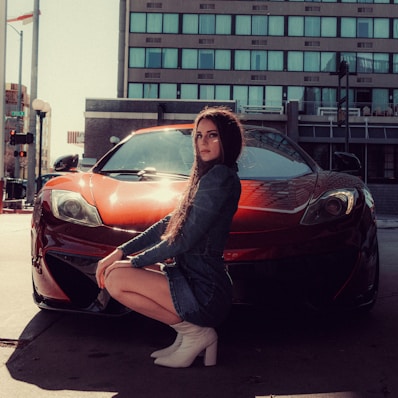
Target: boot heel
(210, 354)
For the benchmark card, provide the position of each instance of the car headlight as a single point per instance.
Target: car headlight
(330, 206)
(72, 207)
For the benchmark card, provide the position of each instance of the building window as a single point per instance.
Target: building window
(138, 22)
(206, 59)
(141, 22)
(207, 24)
(365, 27)
(168, 90)
(259, 25)
(276, 25)
(189, 91)
(295, 61)
(154, 23)
(190, 24)
(275, 60)
(312, 26)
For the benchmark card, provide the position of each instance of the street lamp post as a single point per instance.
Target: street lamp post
(42, 108)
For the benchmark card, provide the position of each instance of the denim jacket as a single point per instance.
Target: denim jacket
(198, 249)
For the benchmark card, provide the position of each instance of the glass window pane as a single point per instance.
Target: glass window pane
(395, 29)
(380, 63)
(150, 90)
(328, 62)
(206, 59)
(380, 99)
(312, 61)
(190, 23)
(295, 61)
(364, 27)
(242, 60)
(312, 27)
(138, 22)
(259, 25)
(348, 27)
(296, 26)
(328, 97)
(258, 60)
(275, 60)
(395, 63)
(243, 25)
(273, 95)
(351, 59)
(189, 91)
(154, 23)
(329, 27)
(364, 63)
(256, 95)
(207, 24)
(206, 92)
(189, 59)
(223, 24)
(137, 57)
(276, 25)
(240, 95)
(135, 90)
(170, 58)
(223, 59)
(222, 92)
(297, 94)
(381, 28)
(170, 23)
(153, 58)
(168, 90)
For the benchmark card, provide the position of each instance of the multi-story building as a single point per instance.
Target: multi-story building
(269, 55)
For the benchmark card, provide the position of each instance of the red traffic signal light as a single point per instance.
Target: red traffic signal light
(13, 137)
(21, 154)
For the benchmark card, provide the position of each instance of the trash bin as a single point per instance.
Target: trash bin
(15, 188)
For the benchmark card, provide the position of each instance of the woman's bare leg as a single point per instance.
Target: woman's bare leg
(143, 291)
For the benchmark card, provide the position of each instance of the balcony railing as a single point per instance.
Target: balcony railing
(315, 108)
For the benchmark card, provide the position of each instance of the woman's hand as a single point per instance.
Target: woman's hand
(104, 264)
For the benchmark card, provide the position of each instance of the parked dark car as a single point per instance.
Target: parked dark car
(302, 236)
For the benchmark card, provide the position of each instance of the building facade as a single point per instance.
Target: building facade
(265, 55)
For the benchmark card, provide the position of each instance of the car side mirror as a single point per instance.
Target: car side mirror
(66, 163)
(346, 162)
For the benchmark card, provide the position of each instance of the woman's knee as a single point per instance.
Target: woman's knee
(112, 283)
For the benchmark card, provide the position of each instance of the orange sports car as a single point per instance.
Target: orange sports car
(302, 236)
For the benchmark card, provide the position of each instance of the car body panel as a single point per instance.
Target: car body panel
(324, 264)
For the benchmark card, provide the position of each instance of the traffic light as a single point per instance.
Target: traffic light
(21, 154)
(16, 138)
(13, 137)
(29, 138)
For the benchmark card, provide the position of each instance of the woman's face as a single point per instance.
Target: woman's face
(208, 142)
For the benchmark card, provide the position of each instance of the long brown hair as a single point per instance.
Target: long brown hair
(231, 136)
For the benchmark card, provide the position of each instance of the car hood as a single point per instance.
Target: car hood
(135, 205)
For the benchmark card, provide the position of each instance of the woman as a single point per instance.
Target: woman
(192, 292)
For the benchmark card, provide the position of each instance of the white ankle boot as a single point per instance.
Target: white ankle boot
(168, 350)
(195, 339)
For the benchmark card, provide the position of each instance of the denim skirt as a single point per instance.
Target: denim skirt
(204, 303)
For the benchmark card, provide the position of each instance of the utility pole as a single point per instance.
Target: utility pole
(31, 188)
(3, 34)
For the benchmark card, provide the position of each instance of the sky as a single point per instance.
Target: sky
(78, 51)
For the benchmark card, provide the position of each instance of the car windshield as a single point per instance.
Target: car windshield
(265, 155)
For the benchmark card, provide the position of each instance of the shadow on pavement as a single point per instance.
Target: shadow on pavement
(275, 355)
